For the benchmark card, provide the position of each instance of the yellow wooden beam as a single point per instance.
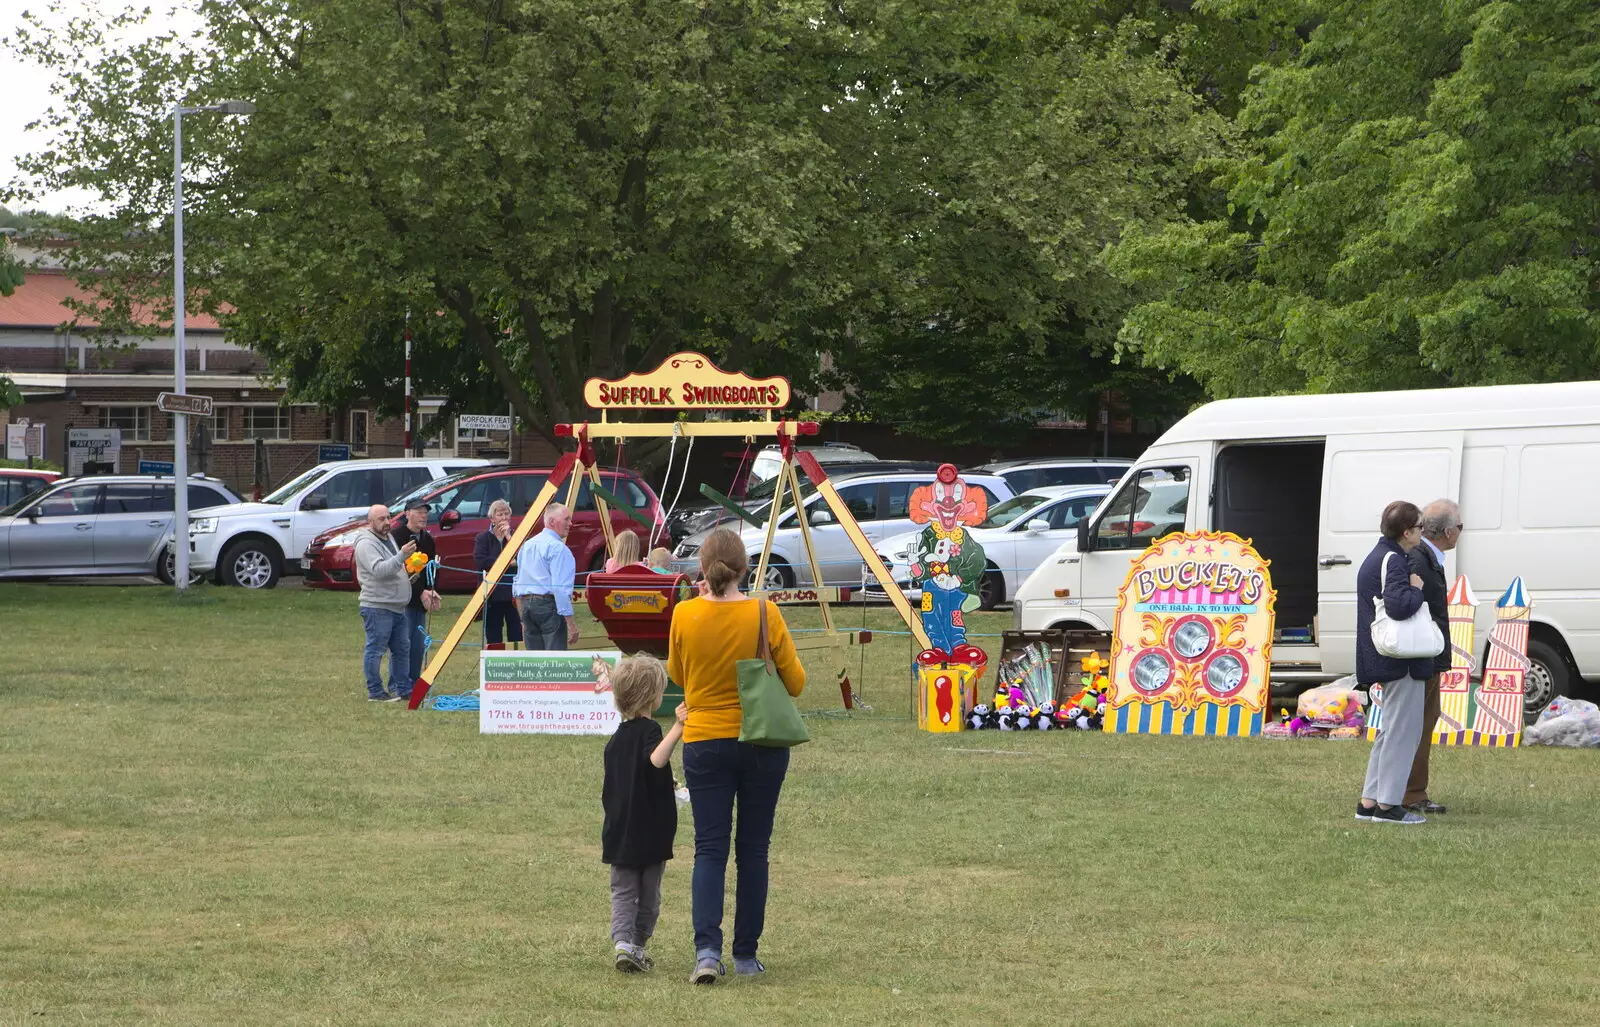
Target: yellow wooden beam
(430, 673)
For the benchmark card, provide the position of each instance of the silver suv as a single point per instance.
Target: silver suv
(101, 525)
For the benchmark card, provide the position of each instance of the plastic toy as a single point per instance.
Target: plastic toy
(415, 562)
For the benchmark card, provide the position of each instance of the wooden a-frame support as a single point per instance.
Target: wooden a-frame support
(584, 462)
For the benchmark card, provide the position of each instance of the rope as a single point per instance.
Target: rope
(682, 480)
(453, 703)
(666, 482)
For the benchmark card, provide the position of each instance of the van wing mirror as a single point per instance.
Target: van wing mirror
(315, 501)
(1083, 535)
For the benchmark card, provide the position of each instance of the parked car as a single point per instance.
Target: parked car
(701, 514)
(254, 544)
(20, 483)
(881, 504)
(1028, 475)
(107, 524)
(1305, 478)
(767, 462)
(1017, 536)
(458, 510)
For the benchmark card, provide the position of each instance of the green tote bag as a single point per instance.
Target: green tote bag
(770, 717)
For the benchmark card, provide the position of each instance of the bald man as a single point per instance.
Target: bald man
(542, 588)
(1441, 530)
(385, 591)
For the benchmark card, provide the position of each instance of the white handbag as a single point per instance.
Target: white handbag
(1415, 638)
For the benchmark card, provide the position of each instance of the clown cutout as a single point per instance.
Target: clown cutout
(947, 564)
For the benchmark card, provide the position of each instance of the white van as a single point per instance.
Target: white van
(1306, 477)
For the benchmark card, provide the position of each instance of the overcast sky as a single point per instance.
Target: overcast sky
(25, 90)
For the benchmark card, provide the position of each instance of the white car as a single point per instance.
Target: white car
(1017, 537)
(253, 544)
(881, 504)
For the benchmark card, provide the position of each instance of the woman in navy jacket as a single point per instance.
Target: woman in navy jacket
(500, 619)
(1403, 681)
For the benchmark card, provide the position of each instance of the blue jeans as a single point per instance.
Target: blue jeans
(385, 630)
(416, 631)
(543, 627)
(719, 772)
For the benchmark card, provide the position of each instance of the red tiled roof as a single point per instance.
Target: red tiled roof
(39, 303)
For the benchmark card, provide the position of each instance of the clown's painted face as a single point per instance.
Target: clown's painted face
(948, 502)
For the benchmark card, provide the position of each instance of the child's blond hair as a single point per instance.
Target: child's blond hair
(638, 683)
(660, 558)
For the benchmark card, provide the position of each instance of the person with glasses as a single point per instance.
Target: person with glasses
(1386, 575)
(1441, 530)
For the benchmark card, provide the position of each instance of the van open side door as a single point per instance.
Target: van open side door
(1362, 474)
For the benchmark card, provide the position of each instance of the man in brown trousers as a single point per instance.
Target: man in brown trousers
(1441, 530)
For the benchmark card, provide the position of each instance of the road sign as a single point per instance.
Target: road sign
(16, 442)
(181, 403)
(155, 466)
(331, 451)
(33, 448)
(483, 422)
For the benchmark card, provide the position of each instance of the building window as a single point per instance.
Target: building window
(358, 431)
(464, 435)
(134, 422)
(266, 422)
(219, 424)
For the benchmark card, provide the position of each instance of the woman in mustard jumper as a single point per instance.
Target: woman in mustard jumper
(709, 635)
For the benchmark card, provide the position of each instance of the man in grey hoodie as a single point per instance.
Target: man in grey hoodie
(385, 591)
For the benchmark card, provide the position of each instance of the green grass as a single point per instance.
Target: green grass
(202, 822)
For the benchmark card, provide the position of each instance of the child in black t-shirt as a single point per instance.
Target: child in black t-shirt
(641, 812)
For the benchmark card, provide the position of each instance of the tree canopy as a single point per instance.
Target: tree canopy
(554, 189)
(1415, 204)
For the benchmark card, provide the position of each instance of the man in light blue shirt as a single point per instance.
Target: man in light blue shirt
(542, 588)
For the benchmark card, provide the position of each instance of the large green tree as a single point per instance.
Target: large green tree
(555, 189)
(1418, 204)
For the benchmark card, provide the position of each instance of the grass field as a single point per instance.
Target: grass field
(202, 822)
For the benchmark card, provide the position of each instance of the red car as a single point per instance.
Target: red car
(458, 509)
(18, 483)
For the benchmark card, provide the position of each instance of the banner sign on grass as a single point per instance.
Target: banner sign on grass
(558, 693)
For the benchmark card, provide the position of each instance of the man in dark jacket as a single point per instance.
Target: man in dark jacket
(423, 596)
(1441, 529)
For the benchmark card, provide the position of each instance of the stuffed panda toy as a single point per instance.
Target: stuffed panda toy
(978, 719)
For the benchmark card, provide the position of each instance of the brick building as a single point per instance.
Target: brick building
(68, 379)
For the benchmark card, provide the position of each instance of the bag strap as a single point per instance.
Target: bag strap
(763, 650)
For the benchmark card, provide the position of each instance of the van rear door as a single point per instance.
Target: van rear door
(1362, 474)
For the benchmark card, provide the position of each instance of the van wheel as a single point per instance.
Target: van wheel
(991, 590)
(1548, 677)
(250, 563)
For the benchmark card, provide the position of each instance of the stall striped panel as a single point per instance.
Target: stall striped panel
(1497, 719)
(1455, 684)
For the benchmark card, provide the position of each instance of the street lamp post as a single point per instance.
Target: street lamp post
(180, 421)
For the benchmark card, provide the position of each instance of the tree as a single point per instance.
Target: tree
(1415, 207)
(554, 189)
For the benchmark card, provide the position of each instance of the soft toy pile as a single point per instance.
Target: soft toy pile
(1022, 698)
(1329, 711)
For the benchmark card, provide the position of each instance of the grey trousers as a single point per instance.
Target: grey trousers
(635, 902)
(1389, 766)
